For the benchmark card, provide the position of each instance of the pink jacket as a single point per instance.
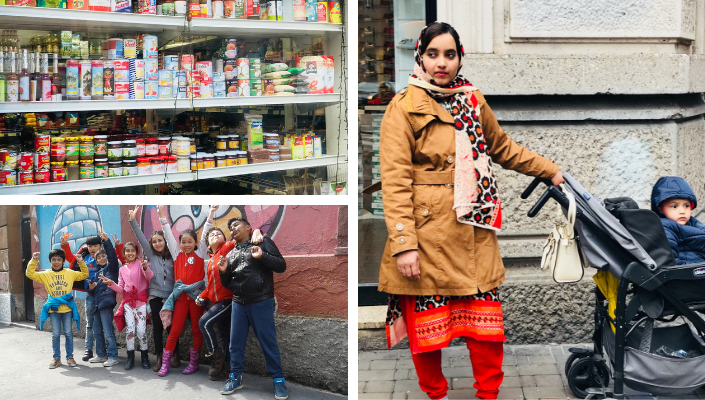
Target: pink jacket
(132, 278)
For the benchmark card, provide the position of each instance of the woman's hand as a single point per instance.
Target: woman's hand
(160, 211)
(408, 263)
(133, 213)
(557, 179)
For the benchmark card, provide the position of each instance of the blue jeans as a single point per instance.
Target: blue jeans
(260, 316)
(57, 319)
(103, 330)
(90, 311)
(218, 315)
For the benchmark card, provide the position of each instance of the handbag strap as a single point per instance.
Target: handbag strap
(572, 211)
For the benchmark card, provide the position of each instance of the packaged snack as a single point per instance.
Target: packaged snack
(276, 75)
(283, 88)
(274, 67)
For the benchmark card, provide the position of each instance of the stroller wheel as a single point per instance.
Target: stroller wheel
(586, 373)
(571, 359)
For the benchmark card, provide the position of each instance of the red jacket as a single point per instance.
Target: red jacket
(215, 291)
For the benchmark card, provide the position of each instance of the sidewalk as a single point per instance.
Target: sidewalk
(25, 373)
(530, 372)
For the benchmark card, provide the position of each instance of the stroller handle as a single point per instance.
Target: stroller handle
(551, 192)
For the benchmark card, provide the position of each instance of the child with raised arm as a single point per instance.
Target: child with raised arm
(160, 286)
(133, 283)
(60, 306)
(189, 266)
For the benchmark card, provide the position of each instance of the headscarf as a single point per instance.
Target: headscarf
(476, 195)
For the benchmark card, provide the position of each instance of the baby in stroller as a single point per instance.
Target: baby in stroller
(673, 200)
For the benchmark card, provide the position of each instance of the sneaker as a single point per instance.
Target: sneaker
(111, 362)
(87, 355)
(233, 383)
(280, 390)
(98, 359)
(54, 363)
(71, 362)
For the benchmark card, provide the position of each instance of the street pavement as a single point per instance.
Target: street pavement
(530, 372)
(25, 374)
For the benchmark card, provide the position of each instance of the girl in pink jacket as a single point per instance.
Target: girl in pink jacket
(133, 283)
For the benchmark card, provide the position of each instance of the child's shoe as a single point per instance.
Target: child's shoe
(158, 364)
(111, 362)
(87, 355)
(70, 362)
(234, 383)
(193, 362)
(130, 359)
(280, 390)
(176, 358)
(217, 363)
(54, 363)
(98, 359)
(145, 359)
(166, 360)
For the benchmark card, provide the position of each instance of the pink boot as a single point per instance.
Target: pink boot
(166, 359)
(193, 362)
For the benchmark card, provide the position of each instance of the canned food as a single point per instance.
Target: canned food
(26, 177)
(243, 68)
(150, 48)
(8, 158)
(130, 48)
(171, 63)
(58, 174)
(42, 176)
(42, 143)
(42, 160)
(26, 161)
(8, 177)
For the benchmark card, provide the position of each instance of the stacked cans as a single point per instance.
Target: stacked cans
(204, 74)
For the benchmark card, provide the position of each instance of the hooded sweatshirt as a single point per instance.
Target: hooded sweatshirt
(687, 241)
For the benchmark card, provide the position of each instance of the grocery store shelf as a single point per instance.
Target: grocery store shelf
(181, 104)
(125, 181)
(245, 27)
(80, 20)
(268, 167)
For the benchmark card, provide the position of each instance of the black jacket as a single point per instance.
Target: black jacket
(104, 296)
(250, 279)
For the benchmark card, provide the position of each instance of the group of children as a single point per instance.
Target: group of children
(170, 281)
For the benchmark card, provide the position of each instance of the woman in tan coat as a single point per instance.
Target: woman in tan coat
(441, 263)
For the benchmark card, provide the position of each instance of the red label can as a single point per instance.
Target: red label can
(42, 176)
(194, 11)
(58, 174)
(42, 143)
(41, 160)
(26, 177)
(8, 177)
(26, 161)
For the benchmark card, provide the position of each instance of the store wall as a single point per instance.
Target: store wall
(312, 293)
(12, 307)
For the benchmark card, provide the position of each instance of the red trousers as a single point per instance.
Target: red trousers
(185, 306)
(486, 358)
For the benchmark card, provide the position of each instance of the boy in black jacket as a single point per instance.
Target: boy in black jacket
(108, 266)
(248, 271)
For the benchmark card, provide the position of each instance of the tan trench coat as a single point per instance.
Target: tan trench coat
(417, 151)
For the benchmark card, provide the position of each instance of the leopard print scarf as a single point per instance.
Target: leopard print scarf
(476, 195)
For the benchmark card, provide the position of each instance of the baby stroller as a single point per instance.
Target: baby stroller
(642, 285)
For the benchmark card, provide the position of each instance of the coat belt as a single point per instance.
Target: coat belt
(434, 177)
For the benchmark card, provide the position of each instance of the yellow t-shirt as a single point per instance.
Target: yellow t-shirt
(56, 283)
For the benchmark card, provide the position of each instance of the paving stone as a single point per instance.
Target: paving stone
(401, 374)
(406, 385)
(537, 370)
(511, 382)
(379, 375)
(460, 362)
(383, 364)
(531, 350)
(540, 360)
(510, 371)
(378, 355)
(556, 350)
(463, 394)
(522, 360)
(405, 364)
(508, 349)
(510, 394)
(548, 380)
(411, 395)
(508, 359)
(455, 351)
(527, 381)
(380, 387)
(363, 365)
(459, 372)
(545, 393)
(374, 396)
(462, 383)
(361, 386)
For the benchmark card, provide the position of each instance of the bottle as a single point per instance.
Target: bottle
(3, 79)
(56, 81)
(35, 92)
(24, 77)
(13, 82)
(45, 78)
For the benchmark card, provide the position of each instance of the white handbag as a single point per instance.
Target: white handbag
(562, 253)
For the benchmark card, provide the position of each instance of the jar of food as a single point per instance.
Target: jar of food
(151, 147)
(58, 149)
(271, 140)
(221, 159)
(171, 164)
(115, 151)
(86, 149)
(183, 146)
(141, 149)
(183, 164)
(129, 150)
(114, 168)
(174, 145)
(199, 159)
(72, 170)
(101, 167)
(86, 170)
(129, 168)
(241, 157)
(144, 166)
(274, 154)
(101, 146)
(73, 148)
(158, 165)
(194, 162)
(231, 159)
(192, 145)
(234, 142)
(221, 142)
(164, 143)
(209, 161)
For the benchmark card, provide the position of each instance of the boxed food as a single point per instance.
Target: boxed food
(123, 6)
(308, 146)
(231, 48)
(77, 5)
(99, 5)
(254, 131)
(297, 148)
(231, 88)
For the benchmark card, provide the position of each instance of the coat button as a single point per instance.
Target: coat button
(449, 185)
(425, 212)
(402, 239)
(450, 159)
(400, 227)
